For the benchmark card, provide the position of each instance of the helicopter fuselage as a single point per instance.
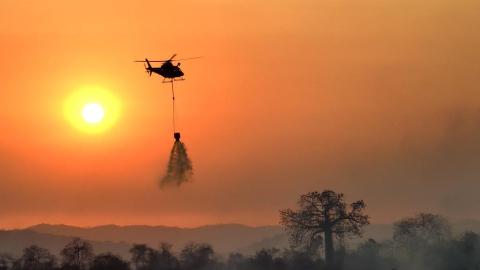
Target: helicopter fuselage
(167, 71)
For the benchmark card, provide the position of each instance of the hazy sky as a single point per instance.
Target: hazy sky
(377, 99)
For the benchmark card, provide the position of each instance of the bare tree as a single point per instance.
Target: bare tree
(166, 258)
(6, 261)
(37, 258)
(469, 245)
(415, 232)
(235, 261)
(264, 259)
(109, 261)
(77, 253)
(140, 254)
(324, 213)
(196, 256)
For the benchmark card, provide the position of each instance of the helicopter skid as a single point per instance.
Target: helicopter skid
(169, 80)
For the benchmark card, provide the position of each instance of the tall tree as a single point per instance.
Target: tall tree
(324, 213)
(78, 253)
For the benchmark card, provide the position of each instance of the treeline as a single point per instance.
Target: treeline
(416, 245)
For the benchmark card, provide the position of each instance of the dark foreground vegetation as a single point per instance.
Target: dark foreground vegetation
(317, 232)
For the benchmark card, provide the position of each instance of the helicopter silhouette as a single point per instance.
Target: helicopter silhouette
(167, 70)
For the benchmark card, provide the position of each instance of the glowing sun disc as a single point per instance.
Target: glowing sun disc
(92, 113)
(92, 109)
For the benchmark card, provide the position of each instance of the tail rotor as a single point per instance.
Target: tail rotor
(148, 70)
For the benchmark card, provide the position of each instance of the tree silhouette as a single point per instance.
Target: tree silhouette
(324, 213)
(196, 256)
(78, 254)
(108, 261)
(264, 259)
(469, 244)
(416, 232)
(7, 261)
(140, 253)
(235, 261)
(37, 258)
(167, 260)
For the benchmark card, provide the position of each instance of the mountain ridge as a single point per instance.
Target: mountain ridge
(224, 237)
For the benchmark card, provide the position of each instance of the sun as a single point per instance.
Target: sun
(92, 113)
(92, 109)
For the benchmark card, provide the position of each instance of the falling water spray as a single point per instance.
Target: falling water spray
(179, 168)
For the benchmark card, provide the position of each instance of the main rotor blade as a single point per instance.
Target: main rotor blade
(171, 59)
(189, 58)
(149, 61)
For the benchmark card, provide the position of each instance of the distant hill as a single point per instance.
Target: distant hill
(224, 238)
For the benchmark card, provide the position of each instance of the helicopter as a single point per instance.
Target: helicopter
(167, 70)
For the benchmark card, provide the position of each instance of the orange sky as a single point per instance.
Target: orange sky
(377, 99)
